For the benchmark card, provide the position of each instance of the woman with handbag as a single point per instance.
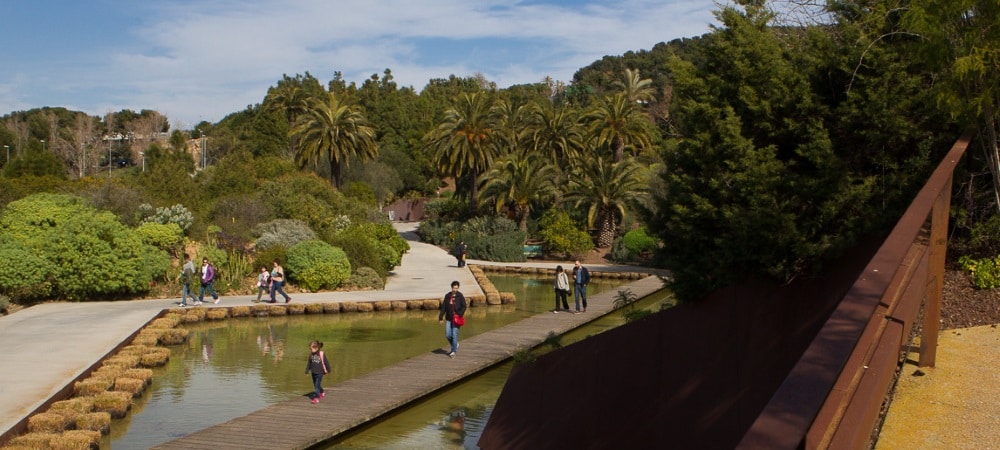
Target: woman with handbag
(452, 315)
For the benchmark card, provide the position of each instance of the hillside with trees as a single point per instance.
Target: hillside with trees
(759, 150)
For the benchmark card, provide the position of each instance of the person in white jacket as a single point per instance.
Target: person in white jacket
(562, 289)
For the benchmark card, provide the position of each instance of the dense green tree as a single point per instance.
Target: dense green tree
(556, 132)
(334, 132)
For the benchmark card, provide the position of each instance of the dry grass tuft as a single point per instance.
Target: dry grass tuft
(130, 385)
(92, 386)
(73, 407)
(145, 375)
(296, 308)
(399, 306)
(145, 340)
(348, 307)
(165, 322)
(431, 305)
(217, 314)
(366, 307)
(276, 310)
(507, 297)
(109, 372)
(33, 440)
(331, 308)
(315, 308)
(77, 440)
(114, 403)
(174, 336)
(48, 422)
(261, 310)
(155, 357)
(127, 361)
(95, 421)
(240, 311)
(382, 305)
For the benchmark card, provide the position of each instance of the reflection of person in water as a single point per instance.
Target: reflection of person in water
(206, 352)
(454, 428)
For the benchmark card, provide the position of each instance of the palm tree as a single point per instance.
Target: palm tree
(635, 88)
(616, 122)
(556, 132)
(465, 142)
(516, 181)
(606, 188)
(334, 132)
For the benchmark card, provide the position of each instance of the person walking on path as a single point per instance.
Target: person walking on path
(263, 283)
(581, 278)
(207, 282)
(186, 277)
(278, 282)
(459, 253)
(318, 366)
(452, 310)
(562, 289)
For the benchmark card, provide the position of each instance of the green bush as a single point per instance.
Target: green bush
(493, 239)
(362, 251)
(87, 253)
(985, 272)
(166, 237)
(437, 232)
(315, 265)
(561, 236)
(632, 246)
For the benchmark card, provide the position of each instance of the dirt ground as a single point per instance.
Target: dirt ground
(964, 306)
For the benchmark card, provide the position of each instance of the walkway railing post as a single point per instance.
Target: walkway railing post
(935, 277)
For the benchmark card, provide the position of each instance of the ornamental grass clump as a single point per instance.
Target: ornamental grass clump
(145, 375)
(331, 308)
(275, 310)
(240, 311)
(32, 441)
(146, 339)
(315, 308)
(155, 357)
(114, 403)
(165, 322)
(217, 314)
(77, 440)
(260, 310)
(130, 385)
(127, 361)
(366, 307)
(48, 422)
(296, 308)
(174, 336)
(92, 386)
(348, 307)
(133, 349)
(95, 421)
(73, 407)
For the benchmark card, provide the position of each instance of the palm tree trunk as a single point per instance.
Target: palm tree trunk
(335, 172)
(606, 233)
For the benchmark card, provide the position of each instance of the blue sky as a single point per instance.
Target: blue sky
(195, 60)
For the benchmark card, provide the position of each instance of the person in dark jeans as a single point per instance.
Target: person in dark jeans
(581, 278)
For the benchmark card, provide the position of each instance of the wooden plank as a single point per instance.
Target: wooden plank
(358, 401)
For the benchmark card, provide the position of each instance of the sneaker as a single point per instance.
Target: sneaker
(555, 312)
(458, 345)
(451, 355)
(216, 301)
(322, 394)
(197, 303)
(288, 300)
(315, 400)
(182, 305)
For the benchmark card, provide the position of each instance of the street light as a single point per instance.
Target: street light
(43, 145)
(204, 152)
(7, 147)
(143, 156)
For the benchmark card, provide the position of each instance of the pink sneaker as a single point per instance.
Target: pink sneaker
(322, 394)
(315, 400)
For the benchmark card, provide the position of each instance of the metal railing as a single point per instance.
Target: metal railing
(833, 396)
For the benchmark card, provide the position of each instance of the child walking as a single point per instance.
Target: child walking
(318, 365)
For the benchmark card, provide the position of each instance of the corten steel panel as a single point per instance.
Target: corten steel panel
(694, 376)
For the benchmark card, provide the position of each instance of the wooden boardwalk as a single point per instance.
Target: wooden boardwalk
(299, 424)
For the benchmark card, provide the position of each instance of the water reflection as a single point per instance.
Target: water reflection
(231, 368)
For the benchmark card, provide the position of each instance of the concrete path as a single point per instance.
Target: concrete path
(46, 347)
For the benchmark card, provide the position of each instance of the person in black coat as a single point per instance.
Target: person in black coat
(581, 278)
(452, 310)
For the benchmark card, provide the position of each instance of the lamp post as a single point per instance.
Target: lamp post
(7, 147)
(204, 152)
(143, 156)
(109, 157)
(43, 145)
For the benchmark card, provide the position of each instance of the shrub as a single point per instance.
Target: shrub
(33, 440)
(315, 264)
(91, 386)
(73, 407)
(70, 236)
(77, 440)
(364, 278)
(130, 385)
(114, 403)
(561, 236)
(177, 214)
(493, 239)
(174, 336)
(283, 232)
(240, 311)
(362, 252)
(985, 272)
(632, 246)
(163, 236)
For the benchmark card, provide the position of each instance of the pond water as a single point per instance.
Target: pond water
(231, 368)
